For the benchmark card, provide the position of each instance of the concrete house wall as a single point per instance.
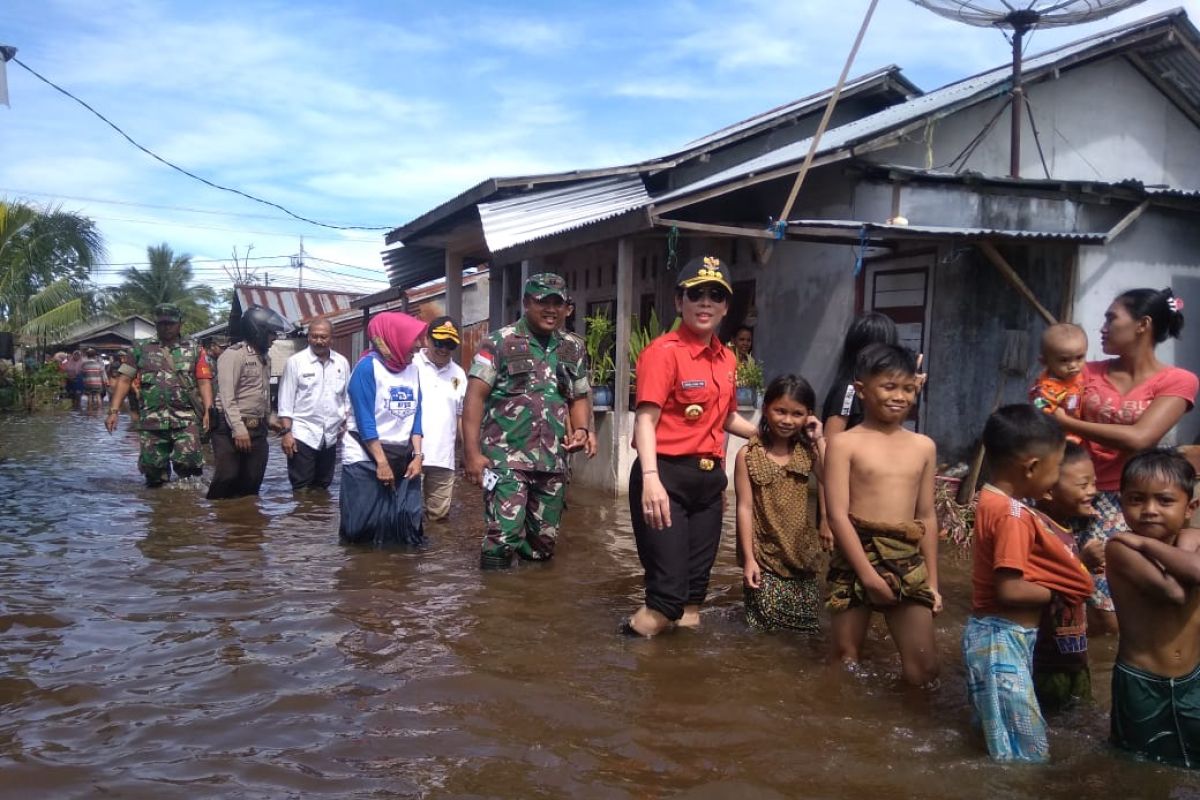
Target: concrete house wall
(1102, 121)
(1099, 122)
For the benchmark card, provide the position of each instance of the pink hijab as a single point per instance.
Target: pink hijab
(392, 335)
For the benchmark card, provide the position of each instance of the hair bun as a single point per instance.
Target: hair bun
(1175, 318)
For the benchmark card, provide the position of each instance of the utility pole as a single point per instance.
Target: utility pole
(7, 53)
(300, 263)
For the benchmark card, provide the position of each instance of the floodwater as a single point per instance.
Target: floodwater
(156, 645)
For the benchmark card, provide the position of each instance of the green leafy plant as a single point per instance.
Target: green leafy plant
(750, 374)
(639, 337)
(29, 391)
(598, 341)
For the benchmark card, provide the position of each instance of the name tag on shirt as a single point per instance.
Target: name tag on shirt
(694, 384)
(402, 401)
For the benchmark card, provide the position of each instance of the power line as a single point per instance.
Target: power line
(183, 171)
(162, 224)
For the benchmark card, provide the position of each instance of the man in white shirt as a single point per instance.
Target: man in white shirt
(443, 386)
(313, 407)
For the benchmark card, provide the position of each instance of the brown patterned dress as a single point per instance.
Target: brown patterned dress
(786, 545)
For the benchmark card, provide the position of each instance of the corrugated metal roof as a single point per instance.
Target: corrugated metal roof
(933, 105)
(805, 105)
(890, 75)
(411, 265)
(525, 218)
(841, 228)
(295, 305)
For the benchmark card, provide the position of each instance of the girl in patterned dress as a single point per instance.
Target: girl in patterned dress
(778, 548)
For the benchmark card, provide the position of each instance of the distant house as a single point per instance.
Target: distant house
(108, 336)
(297, 306)
(427, 301)
(908, 210)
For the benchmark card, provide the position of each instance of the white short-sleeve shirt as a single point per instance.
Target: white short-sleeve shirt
(442, 393)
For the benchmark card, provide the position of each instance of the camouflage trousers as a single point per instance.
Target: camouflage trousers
(522, 514)
(173, 446)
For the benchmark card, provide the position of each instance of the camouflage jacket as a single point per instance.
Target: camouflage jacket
(525, 414)
(169, 377)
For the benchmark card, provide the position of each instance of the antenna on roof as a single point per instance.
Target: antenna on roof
(1021, 17)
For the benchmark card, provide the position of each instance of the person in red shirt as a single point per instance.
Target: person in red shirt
(1019, 567)
(686, 402)
(1129, 404)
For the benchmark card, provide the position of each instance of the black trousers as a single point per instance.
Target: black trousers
(237, 474)
(312, 467)
(678, 560)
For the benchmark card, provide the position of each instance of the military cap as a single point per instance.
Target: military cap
(704, 269)
(167, 312)
(443, 329)
(545, 284)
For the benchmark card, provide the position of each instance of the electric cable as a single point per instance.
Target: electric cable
(183, 171)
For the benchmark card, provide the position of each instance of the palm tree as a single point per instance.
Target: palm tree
(46, 256)
(167, 278)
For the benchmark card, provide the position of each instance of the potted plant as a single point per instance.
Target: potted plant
(639, 337)
(749, 378)
(598, 344)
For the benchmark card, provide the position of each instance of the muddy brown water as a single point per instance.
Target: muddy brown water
(154, 644)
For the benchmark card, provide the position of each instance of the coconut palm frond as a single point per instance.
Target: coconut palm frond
(54, 321)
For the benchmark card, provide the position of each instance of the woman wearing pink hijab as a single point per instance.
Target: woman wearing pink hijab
(381, 457)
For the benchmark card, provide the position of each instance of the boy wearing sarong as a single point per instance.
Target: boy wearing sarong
(879, 492)
(1019, 568)
(1154, 574)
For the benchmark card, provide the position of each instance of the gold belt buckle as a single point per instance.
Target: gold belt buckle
(707, 464)
(251, 423)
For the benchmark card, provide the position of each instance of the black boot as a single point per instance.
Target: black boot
(495, 560)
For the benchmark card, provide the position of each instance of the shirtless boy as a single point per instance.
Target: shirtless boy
(879, 491)
(1154, 574)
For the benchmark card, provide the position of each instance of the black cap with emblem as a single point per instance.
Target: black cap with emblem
(704, 269)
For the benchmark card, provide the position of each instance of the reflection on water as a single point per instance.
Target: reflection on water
(158, 645)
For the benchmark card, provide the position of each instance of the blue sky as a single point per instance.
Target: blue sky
(370, 113)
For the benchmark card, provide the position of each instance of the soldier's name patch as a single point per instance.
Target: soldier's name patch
(402, 401)
(694, 384)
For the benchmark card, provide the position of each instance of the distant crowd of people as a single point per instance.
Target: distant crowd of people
(1081, 526)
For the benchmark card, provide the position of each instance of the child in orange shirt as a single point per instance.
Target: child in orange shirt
(1064, 350)
(1019, 567)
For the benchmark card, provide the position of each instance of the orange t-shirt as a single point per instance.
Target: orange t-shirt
(1049, 393)
(693, 383)
(1009, 535)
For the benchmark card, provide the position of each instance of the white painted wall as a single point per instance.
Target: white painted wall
(1103, 121)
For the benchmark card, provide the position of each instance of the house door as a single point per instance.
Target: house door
(901, 288)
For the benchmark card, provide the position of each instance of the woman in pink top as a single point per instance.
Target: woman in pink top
(1129, 404)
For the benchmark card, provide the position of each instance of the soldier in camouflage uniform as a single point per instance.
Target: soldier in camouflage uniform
(524, 381)
(176, 390)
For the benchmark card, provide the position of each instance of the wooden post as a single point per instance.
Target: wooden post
(1010, 275)
(496, 286)
(624, 312)
(454, 285)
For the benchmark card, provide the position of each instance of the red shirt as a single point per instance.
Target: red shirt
(678, 372)
(1103, 403)
(1010, 536)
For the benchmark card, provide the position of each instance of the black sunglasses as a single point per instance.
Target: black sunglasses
(445, 344)
(718, 294)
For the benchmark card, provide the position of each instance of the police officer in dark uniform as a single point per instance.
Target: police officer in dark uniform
(686, 402)
(239, 435)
